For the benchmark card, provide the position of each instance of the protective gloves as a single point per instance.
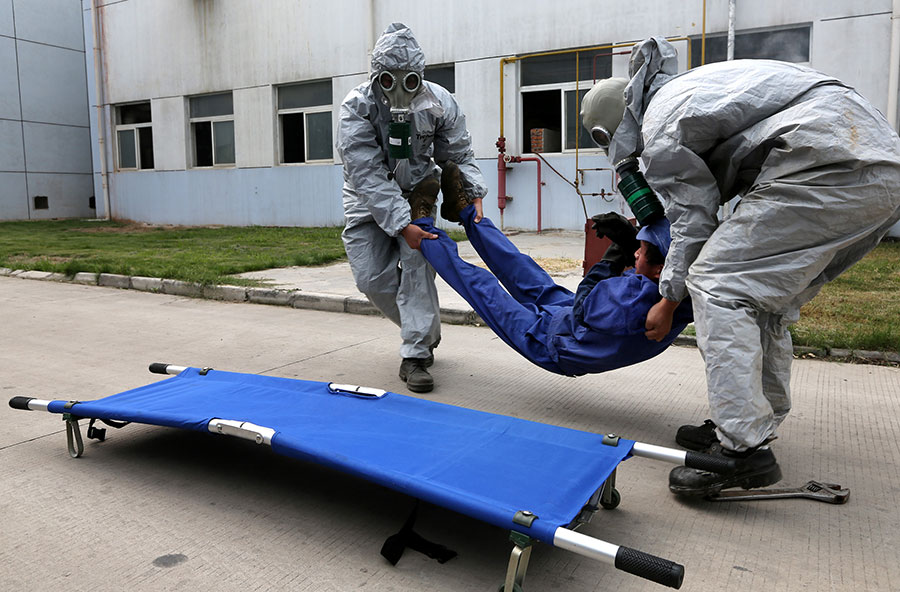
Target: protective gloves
(623, 236)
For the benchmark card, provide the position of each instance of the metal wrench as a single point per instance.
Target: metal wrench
(824, 492)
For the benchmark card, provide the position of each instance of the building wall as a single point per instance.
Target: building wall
(165, 50)
(45, 134)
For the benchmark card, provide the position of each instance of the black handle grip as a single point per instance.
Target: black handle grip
(158, 368)
(653, 568)
(20, 403)
(708, 462)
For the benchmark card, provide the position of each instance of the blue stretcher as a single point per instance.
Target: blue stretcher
(537, 480)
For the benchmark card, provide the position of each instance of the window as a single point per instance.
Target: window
(134, 136)
(550, 107)
(445, 75)
(787, 45)
(304, 117)
(212, 130)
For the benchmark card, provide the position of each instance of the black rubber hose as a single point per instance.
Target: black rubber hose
(158, 368)
(653, 568)
(20, 403)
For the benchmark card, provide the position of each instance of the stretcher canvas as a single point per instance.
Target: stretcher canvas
(484, 465)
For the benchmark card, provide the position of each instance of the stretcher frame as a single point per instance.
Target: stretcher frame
(633, 561)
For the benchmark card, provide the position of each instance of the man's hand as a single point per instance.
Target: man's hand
(479, 211)
(659, 319)
(414, 236)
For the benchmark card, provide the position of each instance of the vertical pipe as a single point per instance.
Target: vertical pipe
(98, 91)
(894, 68)
(730, 55)
(703, 37)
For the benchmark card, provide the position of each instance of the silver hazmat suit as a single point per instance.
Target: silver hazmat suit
(394, 277)
(817, 169)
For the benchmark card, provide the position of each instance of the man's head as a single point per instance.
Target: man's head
(651, 256)
(397, 65)
(602, 109)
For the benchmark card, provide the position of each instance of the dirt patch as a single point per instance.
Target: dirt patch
(133, 228)
(560, 264)
(24, 259)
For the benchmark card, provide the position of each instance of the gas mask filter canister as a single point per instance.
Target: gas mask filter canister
(643, 202)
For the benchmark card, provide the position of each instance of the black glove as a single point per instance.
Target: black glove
(618, 229)
(618, 258)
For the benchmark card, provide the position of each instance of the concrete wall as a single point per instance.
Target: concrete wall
(45, 134)
(166, 50)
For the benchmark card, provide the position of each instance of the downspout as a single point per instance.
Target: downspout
(730, 54)
(894, 72)
(703, 37)
(98, 92)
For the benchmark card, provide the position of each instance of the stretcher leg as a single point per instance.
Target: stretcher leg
(518, 562)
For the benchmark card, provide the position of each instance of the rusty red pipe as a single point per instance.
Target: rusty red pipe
(539, 182)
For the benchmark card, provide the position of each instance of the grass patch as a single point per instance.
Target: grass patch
(206, 255)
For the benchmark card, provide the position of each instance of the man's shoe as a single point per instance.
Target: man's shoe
(414, 372)
(754, 468)
(455, 198)
(700, 437)
(422, 198)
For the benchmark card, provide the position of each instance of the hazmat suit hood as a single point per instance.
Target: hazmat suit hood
(397, 49)
(653, 63)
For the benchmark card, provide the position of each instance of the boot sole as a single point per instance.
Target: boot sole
(417, 387)
(747, 481)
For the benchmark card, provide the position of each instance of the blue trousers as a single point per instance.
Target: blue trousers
(522, 314)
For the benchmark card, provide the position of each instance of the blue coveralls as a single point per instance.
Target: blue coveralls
(599, 328)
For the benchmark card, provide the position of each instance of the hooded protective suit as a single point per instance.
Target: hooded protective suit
(394, 277)
(818, 172)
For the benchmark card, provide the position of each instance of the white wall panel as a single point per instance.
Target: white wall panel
(68, 196)
(12, 151)
(53, 84)
(57, 148)
(254, 126)
(9, 80)
(13, 197)
(6, 18)
(170, 133)
(55, 22)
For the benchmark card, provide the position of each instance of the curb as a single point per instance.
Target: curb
(359, 305)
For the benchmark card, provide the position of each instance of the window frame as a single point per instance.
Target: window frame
(212, 120)
(563, 88)
(122, 127)
(306, 111)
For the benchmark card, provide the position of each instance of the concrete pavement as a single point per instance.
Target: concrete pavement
(161, 509)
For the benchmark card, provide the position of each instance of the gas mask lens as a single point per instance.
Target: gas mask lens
(412, 82)
(387, 81)
(601, 136)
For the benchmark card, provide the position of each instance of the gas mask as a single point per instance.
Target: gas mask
(399, 88)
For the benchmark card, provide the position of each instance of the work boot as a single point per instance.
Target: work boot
(700, 437)
(754, 468)
(429, 361)
(414, 372)
(422, 198)
(455, 198)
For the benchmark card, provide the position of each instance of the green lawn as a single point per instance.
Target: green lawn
(859, 310)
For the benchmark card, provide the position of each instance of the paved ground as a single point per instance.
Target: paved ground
(161, 509)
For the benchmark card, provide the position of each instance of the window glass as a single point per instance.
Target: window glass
(443, 75)
(307, 94)
(145, 146)
(127, 157)
(573, 121)
(787, 45)
(541, 121)
(224, 137)
(292, 138)
(212, 105)
(319, 130)
(552, 69)
(203, 144)
(136, 113)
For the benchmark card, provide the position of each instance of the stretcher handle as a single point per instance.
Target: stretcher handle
(708, 462)
(20, 403)
(162, 368)
(653, 568)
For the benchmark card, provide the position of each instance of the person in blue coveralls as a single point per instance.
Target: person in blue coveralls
(598, 328)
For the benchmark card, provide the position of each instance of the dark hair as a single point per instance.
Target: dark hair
(654, 255)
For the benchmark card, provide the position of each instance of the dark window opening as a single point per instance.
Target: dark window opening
(203, 155)
(41, 202)
(554, 69)
(787, 45)
(443, 75)
(145, 145)
(136, 113)
(541, 121)
(292, 137)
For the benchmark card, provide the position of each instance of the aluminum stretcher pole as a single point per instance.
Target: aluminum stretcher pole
(688, 458)
(650, 567)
